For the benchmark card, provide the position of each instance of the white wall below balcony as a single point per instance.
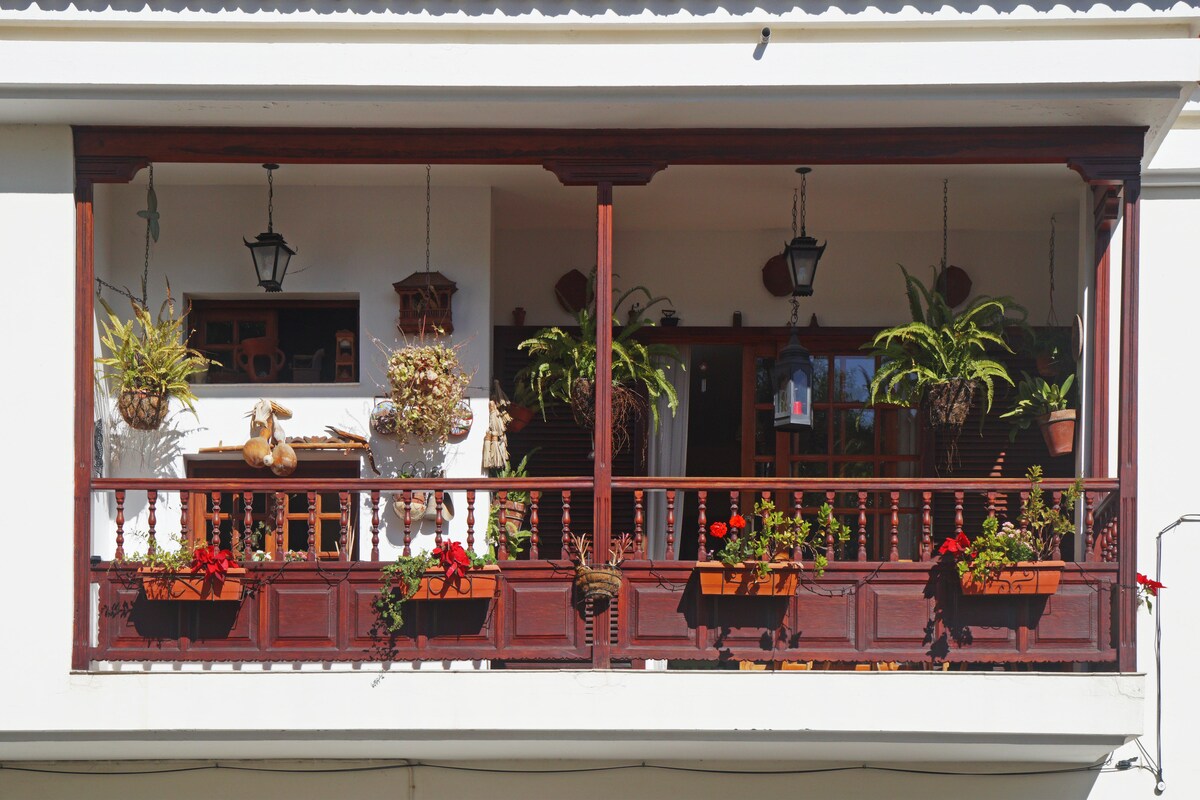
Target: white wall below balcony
(351, 241)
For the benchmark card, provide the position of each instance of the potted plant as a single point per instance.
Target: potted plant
(1014, 559)
(1052, 351)
(1048, 404)
(200, 573)
(562, 367)
(940, 359)
(516, 501)
(598, 581)
(758, 562)
(427, 385)
(148, 362)
(447, 573)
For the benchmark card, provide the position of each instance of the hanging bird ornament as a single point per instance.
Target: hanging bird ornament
(150, 213)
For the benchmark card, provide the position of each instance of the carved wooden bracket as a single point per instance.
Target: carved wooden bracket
(1106, 209)
(580, 172)
(1107, 170)
(109, 169)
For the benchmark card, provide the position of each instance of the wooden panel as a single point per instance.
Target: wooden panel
(895, 613)
(1068, 618)
(825, 616)
(662, 614)
(540, 614)
(301, 614)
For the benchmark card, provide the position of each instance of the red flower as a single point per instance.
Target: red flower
(955, 546)
(453, 559)
(737, 521)
(213, 562)
(1149, 585)
(718, 530)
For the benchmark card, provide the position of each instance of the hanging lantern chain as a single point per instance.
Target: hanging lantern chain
(1052, 317)
(794, 319)
(146, 254)
(803, 203)
(795, 200)
(271, 199)
(428, 182)
(945, 222)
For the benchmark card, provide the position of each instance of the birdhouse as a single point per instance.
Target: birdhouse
(425, 303)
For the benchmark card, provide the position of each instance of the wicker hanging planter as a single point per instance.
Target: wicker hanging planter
(627, 407)
(598, 583)
(948, 404)
(143, 410)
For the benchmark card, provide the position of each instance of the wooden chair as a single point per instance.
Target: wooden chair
(260, 358)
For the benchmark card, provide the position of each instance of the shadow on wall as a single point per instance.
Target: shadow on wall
(552, 8)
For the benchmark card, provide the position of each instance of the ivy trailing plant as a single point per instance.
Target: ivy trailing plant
(562, 366)
(401, 579)
(777, 537)
(427, 384)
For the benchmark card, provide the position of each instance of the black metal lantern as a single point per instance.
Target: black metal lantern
(271, 253)
(793, 386)
(803, 252)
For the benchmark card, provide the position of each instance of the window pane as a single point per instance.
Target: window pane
(851, 377)
(810, 469)
(764, 388)
(218, 332)
(899, 432)
(764, 433)
(854, 432)
(820, 390)
(815, 440)
(251, 329)
(854, 469)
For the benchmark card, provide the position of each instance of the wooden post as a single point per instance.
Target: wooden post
(1127, 441)
(602, 441)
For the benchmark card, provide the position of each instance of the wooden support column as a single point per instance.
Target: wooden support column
(1106, 210)
(1127, 442)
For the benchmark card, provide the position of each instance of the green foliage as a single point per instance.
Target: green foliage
(777, 536)
(427, 383)
(177, 559)
(400, 582)
(940, 345)
(1035, 397)
(520, 471)
(559, 358)
(148, 353)
(516, 538)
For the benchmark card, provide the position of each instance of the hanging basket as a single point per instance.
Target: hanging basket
(598, 583)
(949, 403)
(1058, 431)
(627, 407)
(143, 410)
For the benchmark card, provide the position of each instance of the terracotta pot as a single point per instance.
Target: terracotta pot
(1058, 429)
(1024, 577)
(949, 403)
(477, 584)
(143, 410)
(521, 416)
(742, 579)
(158, 584)
(1047, 365)
(598, 583)
(514, 512)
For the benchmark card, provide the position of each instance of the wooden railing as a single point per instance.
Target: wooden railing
(882, 597)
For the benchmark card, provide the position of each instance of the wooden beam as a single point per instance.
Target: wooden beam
(1127, 439)
(603, 433)
(85, 281)
(1093, 150)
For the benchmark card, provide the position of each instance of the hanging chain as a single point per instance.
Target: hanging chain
(945, 222)
(270, 200)
(795, 199)
(794, 320)
(1052, 317)
(428, 181)
(803, 203)
(146, 255)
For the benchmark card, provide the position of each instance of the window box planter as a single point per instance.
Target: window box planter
(1024, 577)
(743, 580)
(159, 584)
(477, 584)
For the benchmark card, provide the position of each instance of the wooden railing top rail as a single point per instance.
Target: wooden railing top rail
(340, 484)
(856, 484)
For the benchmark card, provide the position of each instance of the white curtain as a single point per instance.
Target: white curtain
(668, 458)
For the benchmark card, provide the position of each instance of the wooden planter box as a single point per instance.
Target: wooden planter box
(158, 584)
(1024, 577)
(782, 579)
(477, 584)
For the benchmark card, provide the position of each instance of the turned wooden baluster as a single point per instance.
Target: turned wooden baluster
(670, 553)
(926, 526)
(1114, 541)
(280, 520)
(958, 513)
(185, 522)
(151, 520)
(470, 519)
(312, 526)
(120, 495)
(1056, 537)
(374, 524)
(535, 497)
(797, 505)
(862, 526)
(702, 518)
(765, 496)
(235, 524)
(216, 520)
(637, 521)
(991, 504)
(1021, 517)
(502, 527)
(830, 497)
(343, 526)
(248, 543)
(1089, 525)
(894, 554)
(407, 496)
(566, 518)
(734, 502)
(438, 500)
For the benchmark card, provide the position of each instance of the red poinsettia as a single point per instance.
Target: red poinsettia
(956, 546)
(1148, 585)
(453, 559)
(214, 563)
(737, 521)
(718, 530)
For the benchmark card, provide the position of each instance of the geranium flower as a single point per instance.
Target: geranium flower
(737, 521)
(955, 546)
(212, 562)
(1149, 585)
(453, 559)
(718, 530)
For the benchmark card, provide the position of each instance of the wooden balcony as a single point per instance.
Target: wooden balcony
(885, 596)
